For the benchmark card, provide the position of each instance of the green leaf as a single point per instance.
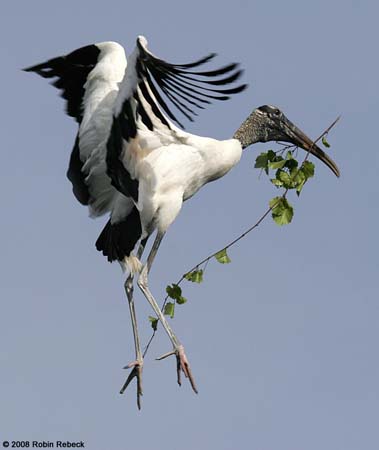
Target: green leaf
(265, 160)
(154, 322)
(289, 155)
(195, 276)
(291, 164)
(284, 177)
(222, 257)
(306, 171)
(300, 186)
(278, 163)
(261, 161)
(181, 300)
(298, 177)
(325, 142)
(276, 182)
(174, 291)
(308, 168)
(282, 211)
(271, 155)
(169, 309)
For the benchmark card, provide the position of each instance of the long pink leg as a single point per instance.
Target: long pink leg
(178, 349)
(136, 365)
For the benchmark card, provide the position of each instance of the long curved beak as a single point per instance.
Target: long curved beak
(294, 135)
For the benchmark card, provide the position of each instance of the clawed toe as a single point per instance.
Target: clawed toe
(135, 373)
(182, 364)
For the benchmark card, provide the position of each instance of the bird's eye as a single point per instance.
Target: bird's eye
(277, 112)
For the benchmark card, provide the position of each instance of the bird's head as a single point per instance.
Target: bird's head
(268, 123)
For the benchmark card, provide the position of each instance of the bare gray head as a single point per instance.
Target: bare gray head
(268, 123)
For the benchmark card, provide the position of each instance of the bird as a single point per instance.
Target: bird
(89, 79)
(147, 164)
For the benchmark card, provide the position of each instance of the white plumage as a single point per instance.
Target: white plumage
(101, 90)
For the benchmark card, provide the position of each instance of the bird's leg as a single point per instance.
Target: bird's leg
(136, 365)
(178, 349)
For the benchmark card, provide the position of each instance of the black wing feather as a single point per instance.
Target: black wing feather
(76, 176)
(71, 72)
(177, 80)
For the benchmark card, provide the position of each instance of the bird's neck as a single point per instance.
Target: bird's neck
(248, 132)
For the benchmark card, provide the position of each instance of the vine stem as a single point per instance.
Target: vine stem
(241, 236)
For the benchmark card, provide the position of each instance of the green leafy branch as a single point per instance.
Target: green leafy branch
(289, 175)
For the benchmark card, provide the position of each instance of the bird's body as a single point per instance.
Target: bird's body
(168, 164)
(165, 165)
(173, 170)
(131, 159)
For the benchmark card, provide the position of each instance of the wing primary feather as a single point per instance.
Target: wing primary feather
(156, 111)
(183, 94)
(210, 73)
(176, 101)
(186, 91)
(161, 102)
(201, 61)
(71, 72)
(169, 91)
(198, 92)
(147, 55)
(159, 76)
(203, 88)
(228, 80)
(186, 95)
(169, 96)
(142, 112)
(184, 88)
(235, 90)
(183, 76)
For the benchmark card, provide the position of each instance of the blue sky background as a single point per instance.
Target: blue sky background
(284, 341)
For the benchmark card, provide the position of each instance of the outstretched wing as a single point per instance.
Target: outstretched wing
(89, 76)
(71, 73)
(186, 89)
(151, 91)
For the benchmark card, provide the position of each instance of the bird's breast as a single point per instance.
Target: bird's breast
(187, 167)
(217, 158)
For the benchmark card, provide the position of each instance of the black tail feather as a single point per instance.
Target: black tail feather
(118, 240)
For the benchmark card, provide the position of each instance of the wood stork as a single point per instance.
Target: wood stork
(130, 159)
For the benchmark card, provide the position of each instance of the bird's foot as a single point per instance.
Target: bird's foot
(136, 372)
(182, 364)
